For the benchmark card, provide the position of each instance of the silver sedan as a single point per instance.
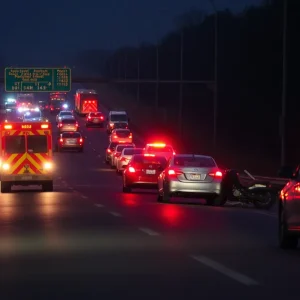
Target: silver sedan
(190, 175)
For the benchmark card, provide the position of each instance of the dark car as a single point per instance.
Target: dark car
(143, 171)
(69, 141)
(94, 119)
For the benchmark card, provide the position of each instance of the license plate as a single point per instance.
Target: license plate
(150, 172)
(26, 177)
(96, 120)
(195, 177)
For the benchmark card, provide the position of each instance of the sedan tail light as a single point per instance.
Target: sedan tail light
(108, 151)
(297, 188)
(80, 140)
(172, 172)
(61, 140)
(60, 124)
(217, 174)
(76, 124)
(130, 136)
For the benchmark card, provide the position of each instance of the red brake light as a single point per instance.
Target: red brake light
(76, 124)
(217, 174)
(174, 153)
(61, 140)
(108, 151)
(101, 117)
(89, 117)
(131, 169)
(297, 188)
(80, 140)
(60, 124)
(115, 136)
(172, 172)
(130, 136)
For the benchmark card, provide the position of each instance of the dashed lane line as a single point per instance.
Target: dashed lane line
(241, 278)
(149, 231)
(115, 214)
(99, 205)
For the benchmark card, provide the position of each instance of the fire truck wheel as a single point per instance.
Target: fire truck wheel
(5, 187)
(48, 186)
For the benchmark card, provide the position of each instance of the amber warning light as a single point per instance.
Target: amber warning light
(7, 126)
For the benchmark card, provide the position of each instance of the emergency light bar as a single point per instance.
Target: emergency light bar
(26, 126)
(157, 145)
(7, 126)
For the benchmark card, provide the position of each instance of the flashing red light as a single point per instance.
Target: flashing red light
(157, 145)
(147, 154)
(131, 169)
(115, 136)
(297, 188)
(217, 174)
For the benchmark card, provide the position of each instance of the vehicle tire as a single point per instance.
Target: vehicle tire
(269, 200)
(220, 200)
(47, 186)
(286, 240)
(165, 198)
(5, 187)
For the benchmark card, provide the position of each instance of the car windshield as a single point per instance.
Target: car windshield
(194, 161)
(133, 151)
(147, 160)
(66, 113)
(121, 147)
(119, 117)
(97, 114)
(74, 135)
(68, 121)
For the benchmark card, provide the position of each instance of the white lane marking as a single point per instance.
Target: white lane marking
(115, 214)
(94, 149)
(226, 271)
(99, 205)
(83, 197)
(149, 231)
(99, 155)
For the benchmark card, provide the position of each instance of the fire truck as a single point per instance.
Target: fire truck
(26, 155)
(86, 101)
(57, 102)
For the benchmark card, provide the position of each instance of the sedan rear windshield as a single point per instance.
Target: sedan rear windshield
(120, 148)
(71, 135)
(95, 114)
(123, 133)
(133, 151)
(197, 162)
(68, 121)
(147, 160)
(66, 113)
(120, 117)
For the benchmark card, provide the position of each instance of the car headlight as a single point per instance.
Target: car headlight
(48, 166)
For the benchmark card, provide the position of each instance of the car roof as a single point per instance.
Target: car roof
(118, 112)
(192, 155)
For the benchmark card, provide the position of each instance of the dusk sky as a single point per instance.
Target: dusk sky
(54, 27)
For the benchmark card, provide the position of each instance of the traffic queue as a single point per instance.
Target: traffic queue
(26, 148)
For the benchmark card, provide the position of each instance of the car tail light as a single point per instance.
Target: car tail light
(80, 140)
(108, 151)
(60, 124)
(297, 188)
(217, 174)
(115, 136)
(131, 170)
(61, 140)
(174, 153)
(101, 118)
(76, 124)
(89, 118)
(172, 172)
(130, 136)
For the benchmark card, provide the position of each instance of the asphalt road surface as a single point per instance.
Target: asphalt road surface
(88, 240)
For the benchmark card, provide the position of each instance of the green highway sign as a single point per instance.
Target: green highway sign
(37, 79)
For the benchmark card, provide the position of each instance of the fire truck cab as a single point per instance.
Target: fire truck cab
(86, 101)
(26, 155)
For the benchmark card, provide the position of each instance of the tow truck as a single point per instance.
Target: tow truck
(26, 155)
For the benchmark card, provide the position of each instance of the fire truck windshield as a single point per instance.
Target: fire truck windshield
(15, 144)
